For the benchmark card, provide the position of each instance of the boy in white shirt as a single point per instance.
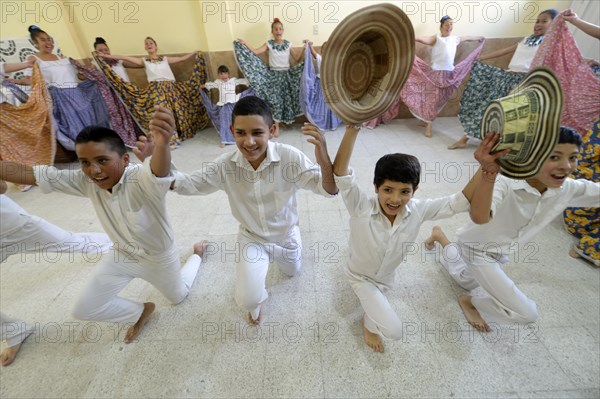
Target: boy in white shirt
(220, 113)
(261, 180)
(130, 203)
(512, 213)
(382, 226)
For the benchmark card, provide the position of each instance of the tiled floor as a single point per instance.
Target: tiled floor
(310, 343)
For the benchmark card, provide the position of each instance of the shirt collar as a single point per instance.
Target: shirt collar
(523, 185)
(121, 181)
(272, 156)
(405, 213)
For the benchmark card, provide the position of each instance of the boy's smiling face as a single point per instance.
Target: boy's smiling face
(252, 134)
(561, 163)
(101, 163)
(393, 197)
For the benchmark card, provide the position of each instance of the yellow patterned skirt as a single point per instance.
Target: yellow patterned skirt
(584, 223)
(183, 98)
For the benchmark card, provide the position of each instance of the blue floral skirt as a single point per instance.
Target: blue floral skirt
(487, 83)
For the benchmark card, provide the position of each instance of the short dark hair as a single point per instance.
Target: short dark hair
(403, 168)
(553, 12)
(223, 69)
(98, 41)
(252, 105)
(100, 134)
(34, 32)
(568, 135)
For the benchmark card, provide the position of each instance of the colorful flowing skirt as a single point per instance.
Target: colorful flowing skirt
(280, 89)
(182, 98)
(584, 223)
(580, 86)
(120, 119)
(426, 92)
(312, 99)
(27, 130)
(220, 115)
(487, 83)
(75, 108)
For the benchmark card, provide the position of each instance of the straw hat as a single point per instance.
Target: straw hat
(368, 58)
(528, 120)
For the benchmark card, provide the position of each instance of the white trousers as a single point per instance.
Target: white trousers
(14, 331)
(502, 301)
(380, 317)
(253, 265)
(38, 235)
(98, 300)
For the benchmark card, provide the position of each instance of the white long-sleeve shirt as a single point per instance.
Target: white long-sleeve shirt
(134, 214)
(377, 247)
(264, 200)
(520, 212)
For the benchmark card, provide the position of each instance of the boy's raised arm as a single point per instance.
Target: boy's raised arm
(162, 127)
(16, 173)
(322, 156)
(342, 158)
(480, 189)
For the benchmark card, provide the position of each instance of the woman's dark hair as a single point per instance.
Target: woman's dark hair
(98, 41)
(34, 32)
(444, 19)
(553, 12)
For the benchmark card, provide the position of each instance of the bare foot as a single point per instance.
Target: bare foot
(222, 145)
(372, 340)
(200, 247)
(135, 329)
(462, 143)
(258, 319)
(573, 253)
(422, 123)
(472, 315)
(9, 354)
(428, 130)
(437, 235)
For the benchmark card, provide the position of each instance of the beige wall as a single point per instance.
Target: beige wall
(186, 25)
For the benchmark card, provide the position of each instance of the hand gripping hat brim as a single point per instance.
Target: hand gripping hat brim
(368, 58)
(528, 120)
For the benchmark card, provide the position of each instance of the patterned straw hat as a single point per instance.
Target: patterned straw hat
(528, 120)
(368, 58)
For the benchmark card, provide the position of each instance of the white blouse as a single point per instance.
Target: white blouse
(159, 71)
(279, 60)
(60, 73)
(443, 53)
(521, 59)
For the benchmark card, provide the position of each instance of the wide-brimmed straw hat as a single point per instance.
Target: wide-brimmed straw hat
(368, 58)
(528, 120)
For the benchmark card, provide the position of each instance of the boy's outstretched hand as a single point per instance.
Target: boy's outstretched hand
(144, 147)
(162, 125)
(316, 137)
(486, 159)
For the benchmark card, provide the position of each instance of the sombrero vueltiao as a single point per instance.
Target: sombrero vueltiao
(368, 58)
(528, 120)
